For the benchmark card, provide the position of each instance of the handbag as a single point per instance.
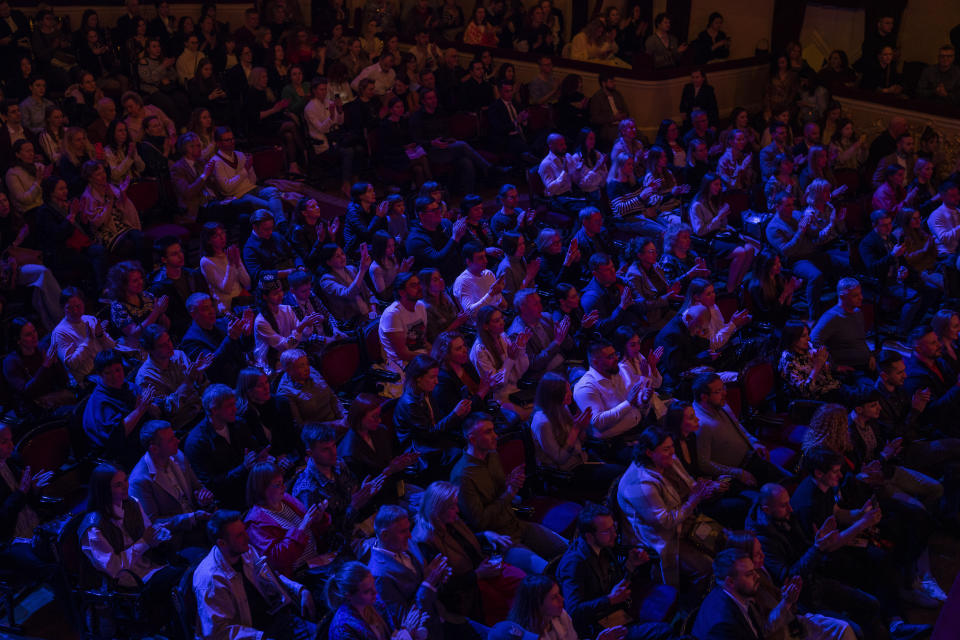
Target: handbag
(704, 533)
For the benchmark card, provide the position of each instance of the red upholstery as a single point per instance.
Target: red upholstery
(340, 363)
(269, 163)
(144, 194)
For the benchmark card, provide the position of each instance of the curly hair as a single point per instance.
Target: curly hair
(829, 428)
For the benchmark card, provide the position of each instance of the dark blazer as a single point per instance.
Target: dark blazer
(789, 551)
(364, 461)
(435, 248)
(228, 357)
(606, 301)
(719, 618)
(500, 128)
(682, 351)
(586, 580)
(359, 227)
(398, 587)
(219, 464)
(160, 505)
(705, 99)
(944, 391)
(415, 427)
(876, 259)
(162, 285)
(601, 116)
(268, 256)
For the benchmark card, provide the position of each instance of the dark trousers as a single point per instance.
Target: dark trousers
(286, 625)
(819, 270)
(839, 600)
(18, 560)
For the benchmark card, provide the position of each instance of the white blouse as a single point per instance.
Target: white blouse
(226, 282)
(133, 558)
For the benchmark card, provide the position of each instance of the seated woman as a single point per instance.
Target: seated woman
(680, 263)
(666, 197)
(719, 332)
(825, 220)
(132, 308)
(284, 531)
(771, 295)
(267, 421)
(559, 437)
(24, 178)
(629, 201)
(76, 152)
(556, 264)
(635, 367)
(658, 498)
(846, 150)
(740, 121)
(479, 586)
(514, 269)
(122, 156)
(805, 372)
(494, 353)
(709, 220)
(649, 284)
(369, 449)
(630, 143)
(385, 266)
(277, 328)
(818, 168)
(946, 324)
(351, 594)
(435, 436)
(927, 196)
(396, 146)
(117, 538)
(669, 139)
(309, 233)
(223, 268)
(735, 167)
(305, 393)
(590, 167)
(342, 286)
(269, 119)
(443, 311)
(920, 256)
(782, 181)
(34, 373)
(458, 378)
(891, 195)
(67, 250)
(110, 218)
(155, 148)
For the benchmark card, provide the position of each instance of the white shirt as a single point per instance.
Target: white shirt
(556, 174)
(383, 81)
(133, 558)
(589, 179)
(412, 324)
(473, 292)
(226, 282)
(77, 344)
(944, 223)
(613, 413)
(320, 119)
(233, 181)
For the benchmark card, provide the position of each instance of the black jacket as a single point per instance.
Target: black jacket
(228, 357)
(219, 464)
(192, 281)
(720, 618)
(268, 256)
(682, 351)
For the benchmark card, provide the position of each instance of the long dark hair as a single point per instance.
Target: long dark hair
(592, 157)
(483, 317)
(549, 400)
(99, 494)
(528, 602)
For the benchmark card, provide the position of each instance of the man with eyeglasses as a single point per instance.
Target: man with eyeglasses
(234, 180)
(617, 412)
(434, 241)
(941, 81)
(597, 587)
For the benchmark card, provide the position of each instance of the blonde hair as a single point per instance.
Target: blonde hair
(829, 428)
(437, 497)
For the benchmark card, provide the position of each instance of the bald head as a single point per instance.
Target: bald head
(557, 143)
(898, 126)
(775, 502)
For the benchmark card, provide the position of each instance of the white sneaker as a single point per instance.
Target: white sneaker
(928, 584)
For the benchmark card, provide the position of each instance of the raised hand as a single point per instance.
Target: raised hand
(561, 329)
(654, 357)
(437, 571)
(620, 592)
(592, 318)
(827, 536)
(463, 408)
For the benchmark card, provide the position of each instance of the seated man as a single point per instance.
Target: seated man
(880, 254)
(190, 179)
(511, 217)
(548, 342)
(177, 282)
(218, 338)
(486, 498)
(904, 157)
(403, 325)
(401, 578)
(268, 252)
(862, 565)
(941, 81)
(434, 242)
(777, 146)
(795, 236)
(927, 371)
(556, 172)
(791, 552)
(177, 381)
(78, 338)
(328, 480)
(841, 330)
(429, 128)
(305, 392)
(222, 449)
(507, 126)
(477, 286)
(115, 410)
(610, 297)
(724, 446)
(168, 490)
(944, 222)
(234, 181)
(597, 589)
(685, 345)
(269, 605)
(593, 238)
(616, 411)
